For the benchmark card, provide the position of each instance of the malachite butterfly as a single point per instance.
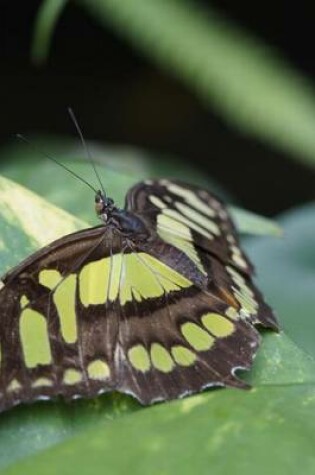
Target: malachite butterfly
(157, 302)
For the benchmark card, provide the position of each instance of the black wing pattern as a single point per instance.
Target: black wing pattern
(160, 318)
(198, 224)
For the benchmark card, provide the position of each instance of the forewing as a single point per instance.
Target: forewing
(117, 319)
(51, 341)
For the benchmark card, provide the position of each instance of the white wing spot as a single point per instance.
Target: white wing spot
(192, 199)
(237, 256)
(198, 218)
(156, 201)
(182, 219)
(164, 182)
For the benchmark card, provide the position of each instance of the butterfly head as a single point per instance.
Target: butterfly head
(103, 205)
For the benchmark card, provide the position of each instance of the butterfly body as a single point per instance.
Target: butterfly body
(157, 302)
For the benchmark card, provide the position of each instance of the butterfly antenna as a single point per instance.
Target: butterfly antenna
(86, 148)
(34, 147)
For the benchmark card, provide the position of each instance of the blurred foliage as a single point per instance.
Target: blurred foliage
(241, 78)
(286, 271)
(222, 429)
(47, 17)
(122, 168)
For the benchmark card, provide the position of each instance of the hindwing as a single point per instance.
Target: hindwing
(198, 225)
(189, 218)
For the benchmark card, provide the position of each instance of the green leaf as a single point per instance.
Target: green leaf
(26, 430)
(266, 430)
(28, 222)
(120, 168)
(248, 83)
(246, 222)
(286, 274)
(280, 362)
(47, 17)
(220, 425)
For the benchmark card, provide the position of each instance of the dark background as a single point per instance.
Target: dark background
(120, 97)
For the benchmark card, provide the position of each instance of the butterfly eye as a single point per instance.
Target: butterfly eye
(99, 207)
(99, 203)
(103, 205)
(98, 197)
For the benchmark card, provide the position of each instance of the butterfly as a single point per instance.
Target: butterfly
(158, 302)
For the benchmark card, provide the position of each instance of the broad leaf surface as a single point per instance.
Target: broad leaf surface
(286, 273)
(219, 432)
(222, 429)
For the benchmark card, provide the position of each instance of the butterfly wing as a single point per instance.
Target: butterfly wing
(94, 312)
(159, 318)
(51, 342)
(197, 224)
(182, 343)
(184, 212)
